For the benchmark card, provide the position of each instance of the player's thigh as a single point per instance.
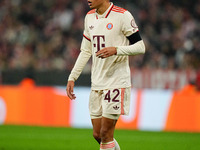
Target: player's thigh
(108, 124)
(103, 122)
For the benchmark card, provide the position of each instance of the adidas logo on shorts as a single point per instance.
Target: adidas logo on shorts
(116, 107)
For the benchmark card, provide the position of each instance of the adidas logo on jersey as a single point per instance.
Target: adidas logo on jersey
(116, 107)
(91, 27)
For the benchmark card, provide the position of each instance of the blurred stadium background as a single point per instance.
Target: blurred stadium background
(39, 44)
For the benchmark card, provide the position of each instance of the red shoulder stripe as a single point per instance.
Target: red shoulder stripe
(91, 11)
(118, 9)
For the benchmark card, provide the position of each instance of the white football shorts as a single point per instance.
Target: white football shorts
(109, 103)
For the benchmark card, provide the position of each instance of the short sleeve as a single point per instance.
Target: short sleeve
(129, 25)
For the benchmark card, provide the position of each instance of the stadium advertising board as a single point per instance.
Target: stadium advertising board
(2, 111)
(158, 110)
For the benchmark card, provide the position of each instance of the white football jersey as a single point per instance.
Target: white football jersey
(108, 30)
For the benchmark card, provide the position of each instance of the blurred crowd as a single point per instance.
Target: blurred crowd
(46, 35)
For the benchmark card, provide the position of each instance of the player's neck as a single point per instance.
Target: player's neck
(103, 8)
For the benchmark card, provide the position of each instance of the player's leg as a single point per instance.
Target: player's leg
(96, 123)
(107, 129)
(115, 101)
(96, 132)
(107, 133)
(96, 113)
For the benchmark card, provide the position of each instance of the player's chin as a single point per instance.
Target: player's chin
(92, 7)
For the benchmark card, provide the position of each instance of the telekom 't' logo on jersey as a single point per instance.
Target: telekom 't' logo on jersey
(99, 42)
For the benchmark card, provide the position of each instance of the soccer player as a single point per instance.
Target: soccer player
(110, 36)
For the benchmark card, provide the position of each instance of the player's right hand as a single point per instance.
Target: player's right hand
(70, 90)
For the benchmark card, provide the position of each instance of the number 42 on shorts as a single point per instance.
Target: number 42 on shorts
(112, 95)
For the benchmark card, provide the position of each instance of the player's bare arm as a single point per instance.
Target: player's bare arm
(106, 52)
(70, 90)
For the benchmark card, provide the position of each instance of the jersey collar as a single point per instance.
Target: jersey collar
(106, 13)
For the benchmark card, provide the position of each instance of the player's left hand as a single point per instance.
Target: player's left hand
(106, 52)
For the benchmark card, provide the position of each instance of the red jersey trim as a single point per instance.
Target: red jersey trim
(118, 9)
(87, 38)
(91, 11)
(109, 11)
(122, 101)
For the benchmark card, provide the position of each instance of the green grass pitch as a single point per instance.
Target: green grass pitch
(49, 138)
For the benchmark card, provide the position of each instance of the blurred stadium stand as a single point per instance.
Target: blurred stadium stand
(42, 38)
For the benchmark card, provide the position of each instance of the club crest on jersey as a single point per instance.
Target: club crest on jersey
(109, 26)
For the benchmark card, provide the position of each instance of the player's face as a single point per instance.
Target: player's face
(95, 4)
